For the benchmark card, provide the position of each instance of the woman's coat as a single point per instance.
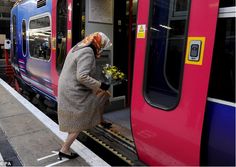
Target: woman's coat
(78, 106)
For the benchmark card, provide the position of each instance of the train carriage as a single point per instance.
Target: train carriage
(178, 118)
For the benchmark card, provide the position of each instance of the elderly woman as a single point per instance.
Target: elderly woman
(80, 96)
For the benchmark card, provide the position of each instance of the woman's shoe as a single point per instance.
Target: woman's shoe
(71, 156)
(106, 125)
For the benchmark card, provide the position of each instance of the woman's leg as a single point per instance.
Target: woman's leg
(70, 139)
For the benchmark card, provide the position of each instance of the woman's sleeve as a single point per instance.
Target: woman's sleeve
(84, 66)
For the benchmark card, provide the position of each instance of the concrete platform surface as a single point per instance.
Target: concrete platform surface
(34, 137)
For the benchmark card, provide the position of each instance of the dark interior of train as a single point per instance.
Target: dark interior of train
(123, 54)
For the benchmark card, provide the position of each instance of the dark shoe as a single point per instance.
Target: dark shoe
(71, 156)
(106, 125)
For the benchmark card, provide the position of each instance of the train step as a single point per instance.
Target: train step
(121, 149)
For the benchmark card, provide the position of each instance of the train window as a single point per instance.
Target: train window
(40, 37)
(180, 7)
(222, 81)
(227, 3)
(14, 38)
(40, 23)
(24, 37)
(166, 52)
(61, 33)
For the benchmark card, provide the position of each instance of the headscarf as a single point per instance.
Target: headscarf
(98, 39)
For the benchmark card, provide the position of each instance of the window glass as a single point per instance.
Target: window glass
(227, 3)
(13, 51)
(24, 37)
(40, 38)
(166, 52)
(40, 23)
(181, 5)
(61, 33)
(222, 81)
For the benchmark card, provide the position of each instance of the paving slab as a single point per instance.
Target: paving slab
(11, 108)
(20, 124)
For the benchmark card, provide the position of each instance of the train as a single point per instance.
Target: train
(182, 76)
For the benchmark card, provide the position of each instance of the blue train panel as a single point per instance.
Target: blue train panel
(220, 134)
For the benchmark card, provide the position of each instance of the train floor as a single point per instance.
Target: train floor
(121, 121)
(29, 138)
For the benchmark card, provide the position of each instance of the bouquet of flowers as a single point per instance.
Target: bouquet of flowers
(113, 75)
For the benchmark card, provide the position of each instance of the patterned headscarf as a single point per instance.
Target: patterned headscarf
(98, 39)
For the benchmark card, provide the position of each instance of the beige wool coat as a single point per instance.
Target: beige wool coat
(78, 106)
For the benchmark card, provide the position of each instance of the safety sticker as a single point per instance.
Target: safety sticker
(69, 34)
(53, 42)
(141, 31)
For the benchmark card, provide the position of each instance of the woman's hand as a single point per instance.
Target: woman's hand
(100, 93)
(107, 93)
(103, 96)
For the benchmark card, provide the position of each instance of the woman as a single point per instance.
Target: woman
(81, 97)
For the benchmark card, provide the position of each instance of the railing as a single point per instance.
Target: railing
(6, 70)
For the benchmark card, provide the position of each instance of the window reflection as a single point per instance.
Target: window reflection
(40, 23)
(39, 38)
(14, 51)
(24, 37)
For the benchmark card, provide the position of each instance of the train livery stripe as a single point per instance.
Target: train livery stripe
(91, 158)
(21, 61)
(38, 85)
(221, 102)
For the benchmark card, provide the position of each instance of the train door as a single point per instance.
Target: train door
(70, 27)
(173, 55)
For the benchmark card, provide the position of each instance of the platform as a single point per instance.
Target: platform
(32, 138)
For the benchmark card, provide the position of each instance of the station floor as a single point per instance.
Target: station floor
(30, 138)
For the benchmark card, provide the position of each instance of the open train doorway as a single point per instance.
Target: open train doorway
(124, 30)
(117, 19)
